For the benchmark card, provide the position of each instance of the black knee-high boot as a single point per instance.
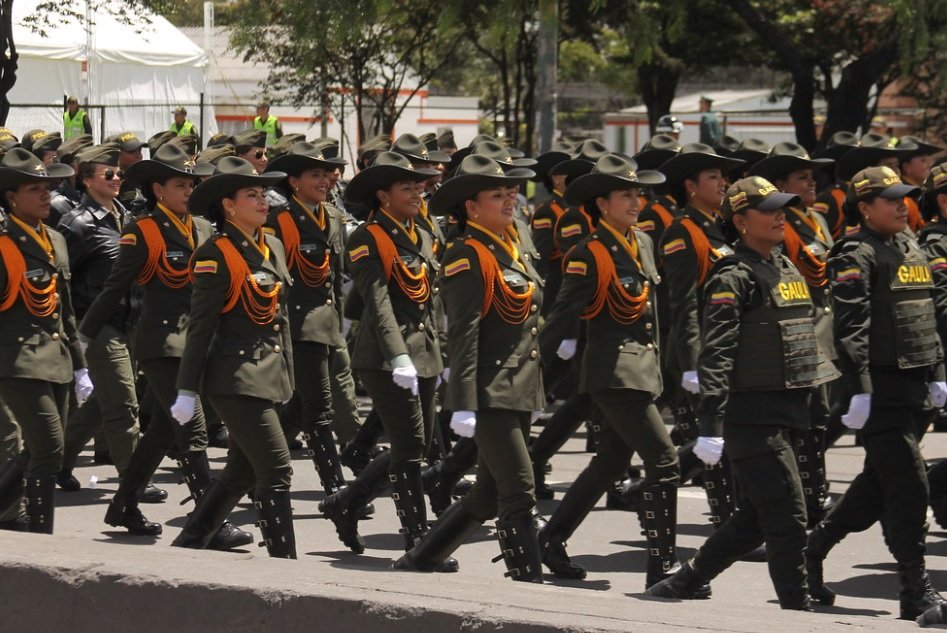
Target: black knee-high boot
(345, 507)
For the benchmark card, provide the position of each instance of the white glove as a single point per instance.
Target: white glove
(406, 378)
(938, 393)
(709, 450)
(183, 408)
(463, 423)
(690, 382)
(446, 374)
(858, 409)
(84, 385)
(566, 349)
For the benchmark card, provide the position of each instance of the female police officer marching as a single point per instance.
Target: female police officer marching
(238, 354)
(154, 253)
(41, 353)
(889, 350)
(492, 296)
(312, 235)
(607, 282)
(396, 353)
(759, 358)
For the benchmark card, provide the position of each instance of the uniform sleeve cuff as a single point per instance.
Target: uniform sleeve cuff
(401, 360)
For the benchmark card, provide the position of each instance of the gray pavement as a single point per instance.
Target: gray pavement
(90, 576)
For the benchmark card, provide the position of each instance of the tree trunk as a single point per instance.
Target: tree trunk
(658, 86)
(8, 59)
(848, 103)
(802, 110)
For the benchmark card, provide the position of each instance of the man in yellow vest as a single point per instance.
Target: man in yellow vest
(266, 123)
(183, 127)
(75, 122)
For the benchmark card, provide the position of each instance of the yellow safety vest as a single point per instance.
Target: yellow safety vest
(186, 130)
(73, 126)
(269, 127)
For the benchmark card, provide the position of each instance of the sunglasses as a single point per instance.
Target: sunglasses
(111, 174)
(260, 153)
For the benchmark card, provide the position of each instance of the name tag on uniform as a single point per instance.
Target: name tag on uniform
(407, 259)
(514, 279)
(30, 274)
(308, 247)
(260, 277)
(627, 280)
(174, 254)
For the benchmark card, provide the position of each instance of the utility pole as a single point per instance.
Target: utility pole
(547, 73)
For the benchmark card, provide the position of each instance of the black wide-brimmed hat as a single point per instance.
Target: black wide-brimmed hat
(230, 174)
(611, 172)
(168, 162)
(284, 143)
(838, 144)
(726, 145)
(695, 158)
(302, 156)
(388, 168)
(871, 149)
(475, 174)
(20, 166)
(785, 158)
(415, 150)
(582, 160)
(373, 145)
(914, 146)
(659, 149)
(212, 155)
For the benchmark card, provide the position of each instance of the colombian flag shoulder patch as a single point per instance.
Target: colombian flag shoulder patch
(576, 268)
(357, 253)
(205, 266)
(129, 239)
(456, 267)
(674, 246)
(542, 223)
(849, 274)
(938, 263)
(571, 231)
(647, 226)
(723, 298)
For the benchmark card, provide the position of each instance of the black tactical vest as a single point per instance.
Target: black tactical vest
(903, 331)
(777, 347)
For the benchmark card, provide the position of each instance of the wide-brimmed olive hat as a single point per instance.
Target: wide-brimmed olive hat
(582, 160)
(475, 174)
(230, 174)
(187, 143)
(659, 149)
(913, 146)
(695, 158)
(159, 139)
(561, 150)
(327, 145)
(373, 145)
(480, 138)
(221, 138)
(168, 162)
(445, 140)
(751, 151)
(611, 172)
(879, 181)
(20, 166)
(302, 156)
(871, 148)
(755, 192)
(69, 149)
(212, 155)
(284, 143)
(388, 168)
(410, 146)
(501, 154)
(726, 145)
(838, 144)
(785, 158)
(243, 141)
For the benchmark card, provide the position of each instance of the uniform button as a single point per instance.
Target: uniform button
(55, 315)
(276, 328)
(328, 284)
(164, 322)
(299, 307)
(533, 331)
(436, 290)
(55, 275)
(827, 309)
(533, 354)
(422, 306)
(20, 339)
(55, 336)
(420, 327)
(241, 352)
(648, 326)
(648, 303)
(328, 302)
(533, 308)
(621, 347)
(646, 284)
(650, 345)
(56, 295)
(277, 349)
(499, 363)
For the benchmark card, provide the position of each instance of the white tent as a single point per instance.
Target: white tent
(146, 66)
